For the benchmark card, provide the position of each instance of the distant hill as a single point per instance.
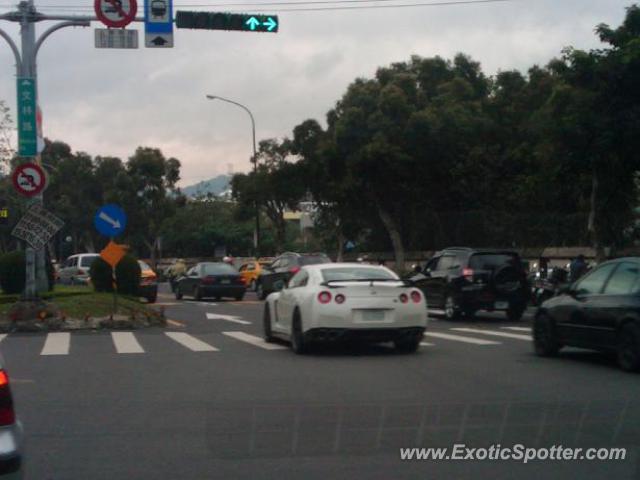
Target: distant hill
(216, 186)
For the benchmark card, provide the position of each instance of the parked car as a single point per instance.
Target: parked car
(148, 282)
(341, 301)
(250, 271)
(209, 279)
(11, 448)
(600, 311)
(75, 270)
(283, 268)
(464, 280)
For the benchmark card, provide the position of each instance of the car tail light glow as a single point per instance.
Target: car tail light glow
(294, 270)
(7, 414)
(81, 272)
(403, 298)
(416, 296)
(467, 273)
(340, 298)
(324, 297)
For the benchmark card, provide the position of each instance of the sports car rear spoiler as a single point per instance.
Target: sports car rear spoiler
(330, 283)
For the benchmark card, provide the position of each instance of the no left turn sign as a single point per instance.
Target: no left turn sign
(116, 13)
(29, 179)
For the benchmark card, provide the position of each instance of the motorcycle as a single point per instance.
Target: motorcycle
(544, 288)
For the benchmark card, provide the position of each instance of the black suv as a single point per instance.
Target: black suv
(283, 268)
(463, 280)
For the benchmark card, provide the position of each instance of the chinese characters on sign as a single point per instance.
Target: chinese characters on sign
(37, 226)
(27, 125)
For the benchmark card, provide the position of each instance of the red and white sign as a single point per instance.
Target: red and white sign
(116, 13)
(29, 179)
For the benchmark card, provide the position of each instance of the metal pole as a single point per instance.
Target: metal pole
(254, 160)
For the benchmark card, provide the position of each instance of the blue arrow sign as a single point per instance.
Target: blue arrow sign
(110, 220)
(253, 22)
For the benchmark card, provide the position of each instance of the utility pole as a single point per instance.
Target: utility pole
(26, 67)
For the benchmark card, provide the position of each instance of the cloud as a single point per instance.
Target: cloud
(109, 102)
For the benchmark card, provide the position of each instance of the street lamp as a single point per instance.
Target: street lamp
(254, 160)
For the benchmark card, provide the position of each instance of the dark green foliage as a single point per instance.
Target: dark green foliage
(101, 276)
(12, 272)
(127, 276)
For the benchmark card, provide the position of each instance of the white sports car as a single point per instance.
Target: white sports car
(341, 301)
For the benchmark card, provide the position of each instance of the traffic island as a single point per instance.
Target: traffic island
(88, 311)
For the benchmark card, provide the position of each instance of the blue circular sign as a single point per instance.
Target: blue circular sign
(110, 220)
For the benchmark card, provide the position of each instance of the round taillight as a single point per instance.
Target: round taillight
(340, 298)
(403, 298)
(416, 297)
(324, 297)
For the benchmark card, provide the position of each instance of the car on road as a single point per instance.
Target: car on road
(250, 271)
(148, 282)
(600, 311)
(463, 280)
(211, 279)
(11, 437)
(283, 268)
(344, 301)
(75, 270)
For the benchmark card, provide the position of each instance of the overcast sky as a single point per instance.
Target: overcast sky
(108, 102)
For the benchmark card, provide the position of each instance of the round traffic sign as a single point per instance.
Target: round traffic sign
(29, 179)
(115, 13)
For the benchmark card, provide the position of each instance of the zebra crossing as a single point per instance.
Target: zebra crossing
(129, 343)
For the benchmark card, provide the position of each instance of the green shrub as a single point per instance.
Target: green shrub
(12, 272)
(127, 276)
(101, 276)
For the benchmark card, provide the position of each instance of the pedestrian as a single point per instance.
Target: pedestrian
(577, 268)
(417, 268)
(175, 271)
(381, 262)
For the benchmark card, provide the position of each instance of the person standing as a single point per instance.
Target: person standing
(577, 268)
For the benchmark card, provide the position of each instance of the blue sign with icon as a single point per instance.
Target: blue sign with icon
(110, 220)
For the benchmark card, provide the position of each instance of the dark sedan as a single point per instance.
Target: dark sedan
(601, 311)
(208, 279)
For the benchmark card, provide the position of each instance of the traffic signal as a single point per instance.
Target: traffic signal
(245, 22)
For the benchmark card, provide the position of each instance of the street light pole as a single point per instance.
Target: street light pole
(254, 160)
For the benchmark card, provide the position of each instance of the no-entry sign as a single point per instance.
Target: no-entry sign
(29, 179)
(116, 13)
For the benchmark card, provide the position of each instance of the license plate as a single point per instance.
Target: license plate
(501, 305)
(225, 281)
(373, 315)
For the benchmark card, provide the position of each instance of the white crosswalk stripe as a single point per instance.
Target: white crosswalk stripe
(459, 338)
(228, 318)
(192, 343)
(518, 329)
(253, 340)
(125, 342)
(56, 344)
(494, 333)
(427, 344)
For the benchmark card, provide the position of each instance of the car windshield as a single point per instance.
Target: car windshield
(493, 261)
(87, 261)
(314, 259)
(356, 273)
(218, 269)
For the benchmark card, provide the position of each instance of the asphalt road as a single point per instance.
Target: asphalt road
(205, 399)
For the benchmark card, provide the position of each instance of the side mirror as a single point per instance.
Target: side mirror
(279, 285)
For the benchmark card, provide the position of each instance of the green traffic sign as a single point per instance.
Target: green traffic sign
(245, 22)
(27, 125)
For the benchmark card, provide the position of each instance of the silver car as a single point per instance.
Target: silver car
(75, 270)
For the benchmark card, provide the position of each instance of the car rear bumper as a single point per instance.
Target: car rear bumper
(148, 290)
(222, 290)
(488, 300)
(373, 335)
(11, 452)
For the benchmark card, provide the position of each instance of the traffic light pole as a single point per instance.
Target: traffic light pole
(36, 275)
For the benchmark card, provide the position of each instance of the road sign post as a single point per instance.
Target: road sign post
(158, 23)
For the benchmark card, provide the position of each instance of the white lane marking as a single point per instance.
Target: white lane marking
(192, 343)
(125, 342)
(228, 318)
(518, 329)
(458, 338)
(56, 344)
(427, 344)
(202, 304)
(253, 340)
(494, 333)
(3, 336)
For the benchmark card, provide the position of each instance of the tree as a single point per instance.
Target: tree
(6, 127)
